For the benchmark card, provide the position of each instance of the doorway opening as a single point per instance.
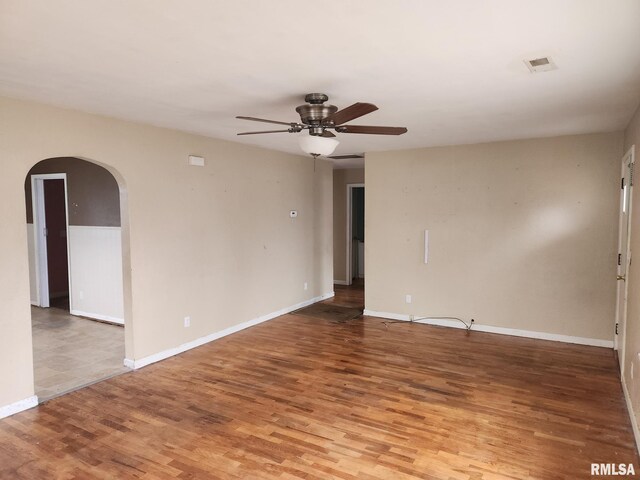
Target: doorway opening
(76, 275)
(355, 234)
(350, 292)
(49, 192)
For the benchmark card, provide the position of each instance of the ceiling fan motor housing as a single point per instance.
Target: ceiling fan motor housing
(313, 114)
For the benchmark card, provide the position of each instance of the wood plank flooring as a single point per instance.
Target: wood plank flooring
(303, 398)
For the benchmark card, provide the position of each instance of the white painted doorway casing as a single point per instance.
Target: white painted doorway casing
(349, 229)
(624, 254)
(40, 234)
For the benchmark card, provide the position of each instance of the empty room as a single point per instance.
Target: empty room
(354, 240)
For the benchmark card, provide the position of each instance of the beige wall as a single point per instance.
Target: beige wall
(341, 178)
(215, 243)
(632, 343)
(523, 234)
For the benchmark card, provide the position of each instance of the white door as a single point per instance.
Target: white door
(624, 254)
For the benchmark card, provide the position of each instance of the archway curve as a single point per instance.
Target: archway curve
(124, 239)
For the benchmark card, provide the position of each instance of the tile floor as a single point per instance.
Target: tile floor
(70, 352)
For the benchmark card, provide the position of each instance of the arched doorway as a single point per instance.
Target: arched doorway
(74, 226)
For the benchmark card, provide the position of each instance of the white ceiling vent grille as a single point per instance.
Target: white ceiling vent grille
(542, 64)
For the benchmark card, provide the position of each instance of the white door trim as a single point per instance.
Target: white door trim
(40, 243)
(622, 286)
(350, 187)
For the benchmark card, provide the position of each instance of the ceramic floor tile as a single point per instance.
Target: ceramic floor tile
(70, 352)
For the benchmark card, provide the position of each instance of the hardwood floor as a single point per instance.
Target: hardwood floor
(302, 398)
(350, 296)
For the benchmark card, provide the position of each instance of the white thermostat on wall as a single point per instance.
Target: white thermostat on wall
(293, 213)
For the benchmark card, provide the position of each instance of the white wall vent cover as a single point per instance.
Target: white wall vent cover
(542, 64)
(196, 161)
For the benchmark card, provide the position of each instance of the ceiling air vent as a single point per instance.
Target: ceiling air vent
(345, 157)
(542, 64)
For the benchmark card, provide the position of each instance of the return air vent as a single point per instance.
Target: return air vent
(345, 157)
(542, 64)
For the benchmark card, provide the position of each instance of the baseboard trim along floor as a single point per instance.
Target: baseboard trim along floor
(19, 406)
(97, 316)
(156, 357)
(632, 417)
(443, 322)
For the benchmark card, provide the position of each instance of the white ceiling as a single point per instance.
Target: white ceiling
(450, 71)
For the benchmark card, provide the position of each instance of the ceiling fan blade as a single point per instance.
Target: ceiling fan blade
(266, 131)
(347, 114)
(345, 157)
(254, 119)
(372, 130)
(327, 133)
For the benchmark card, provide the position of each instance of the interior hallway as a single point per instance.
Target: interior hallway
(70, 352)
(349, 295)
(301, 397)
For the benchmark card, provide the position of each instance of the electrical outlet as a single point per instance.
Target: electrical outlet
(407, 298)
(187, 322)
(306, 286)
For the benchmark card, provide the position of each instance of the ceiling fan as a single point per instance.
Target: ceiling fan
(320, 119)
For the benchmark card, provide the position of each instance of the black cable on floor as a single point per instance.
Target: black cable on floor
(416, 320)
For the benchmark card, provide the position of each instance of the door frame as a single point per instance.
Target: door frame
(40, 238)
(350, 187)
(622, 285)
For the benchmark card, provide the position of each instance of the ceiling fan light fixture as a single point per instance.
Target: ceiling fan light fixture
(315, 145)
(319, 119)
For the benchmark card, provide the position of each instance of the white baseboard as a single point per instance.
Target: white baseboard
(340, 282)
(632, 415)
(156, 357)
(443, 322)
(19, 406)
(97, 316)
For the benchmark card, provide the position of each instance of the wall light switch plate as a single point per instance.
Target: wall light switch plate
(187, 322)
(293, 213)
(407, 298)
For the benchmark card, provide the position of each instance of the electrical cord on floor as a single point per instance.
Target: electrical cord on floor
(417, 320)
